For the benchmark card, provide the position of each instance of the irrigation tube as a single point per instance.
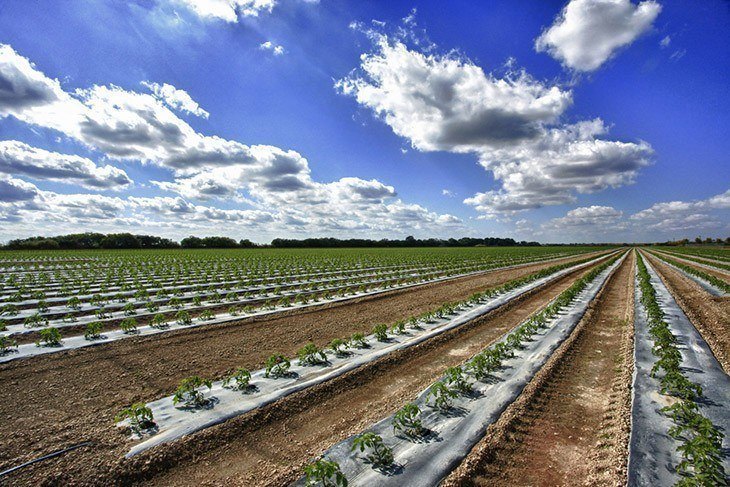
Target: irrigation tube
(79, 341)
(452, 436)
(652, 452)
(44, 457)
(173, 422)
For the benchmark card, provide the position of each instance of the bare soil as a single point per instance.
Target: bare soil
(271, 446)
(53, 401)
(709, 314)
(570, 426)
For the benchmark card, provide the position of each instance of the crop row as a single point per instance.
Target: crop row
(339, 353)
(718, 283)
(158, 310)
(704, 261)
(188, 274)
(51, 339)
(417, 421)
(700, 440)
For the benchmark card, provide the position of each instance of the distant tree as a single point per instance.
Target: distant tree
(246, 244)
(191, 242)
(120, 241)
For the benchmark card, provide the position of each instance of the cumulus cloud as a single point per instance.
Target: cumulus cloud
(568, 159)
(127, 125)
(449, 103)
(227, 10)
(594, 217)
(512, 123)
(673, 216)
(277, 50)
(176, 98)
(588, 32)
(19, 158)
(13, 190)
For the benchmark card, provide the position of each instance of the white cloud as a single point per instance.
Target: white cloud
(14, 190)
(449, 103)
(673, 217)
(18, 158)
(277, 50)
(666, 40)
(127, 125)
(176, 98)
(448, 192)
(588, 32)
(596, 217)
(568, 159)
(446, 102)
(227, 10)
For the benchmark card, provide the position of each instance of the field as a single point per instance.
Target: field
(413, 366)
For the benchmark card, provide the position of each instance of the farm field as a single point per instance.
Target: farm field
(421, 366)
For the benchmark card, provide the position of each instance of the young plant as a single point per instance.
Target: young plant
(7, 344)
(357, 340)
(324, 473)
(276, 366)
(414, 323)
(379, 454)
(339, 347)
(206, 315)
(398, 328)
(483, 364)
(129, 309)
(101, 313)
(182, 317)
(456, 380)
(189, 393)
(50, 337)
(407, 420)
(381, 333)
(238, 380)
(9, 309)
(139, 416)
(439, 396)
(310, 354)
(128, 326)
(159, 322)
(93, 330)
(35, 320)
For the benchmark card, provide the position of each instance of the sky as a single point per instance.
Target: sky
(579, 121)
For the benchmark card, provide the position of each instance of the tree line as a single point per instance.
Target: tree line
(85, 241)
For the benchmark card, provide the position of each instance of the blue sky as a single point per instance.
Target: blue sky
(592, 120)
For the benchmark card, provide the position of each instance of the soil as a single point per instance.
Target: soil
(74, 395)
(570, 426)
(272, 450)
(709, 314)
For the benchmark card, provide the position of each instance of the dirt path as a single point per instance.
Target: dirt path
(54, 401)
(709, 314)
(270, 447)
(571, 424)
